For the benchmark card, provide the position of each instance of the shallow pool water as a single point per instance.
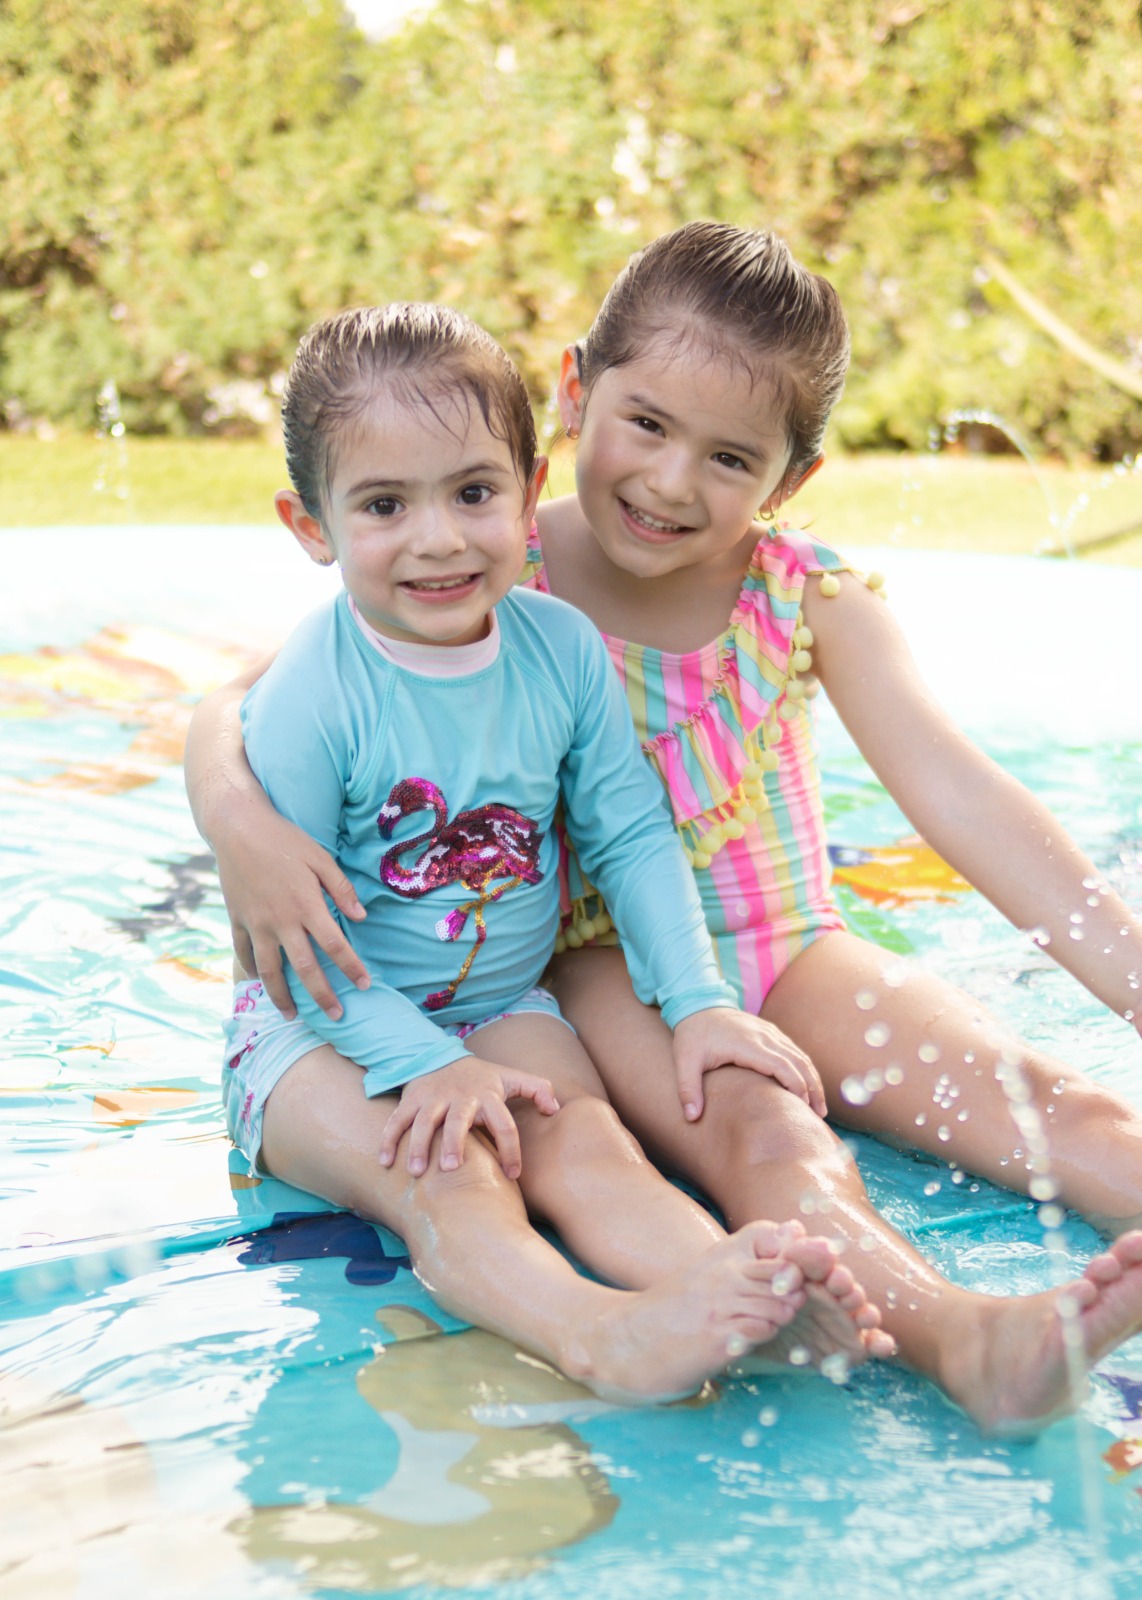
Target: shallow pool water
(211, 1385)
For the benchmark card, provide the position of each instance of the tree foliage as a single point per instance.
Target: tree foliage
(185, 186)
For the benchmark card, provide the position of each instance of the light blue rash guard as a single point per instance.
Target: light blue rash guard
(437, 797)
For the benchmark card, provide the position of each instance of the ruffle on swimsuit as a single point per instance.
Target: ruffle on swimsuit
(735, 693)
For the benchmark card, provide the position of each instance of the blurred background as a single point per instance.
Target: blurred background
(185, 187)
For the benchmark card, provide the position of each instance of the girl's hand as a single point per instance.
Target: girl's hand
(272, 875)
(464, 1095)
(720, 1037)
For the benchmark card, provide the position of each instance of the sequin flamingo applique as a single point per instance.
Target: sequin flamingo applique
(475, 848)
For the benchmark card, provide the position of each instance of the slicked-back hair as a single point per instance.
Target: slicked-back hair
(739, 293)
(431, 355)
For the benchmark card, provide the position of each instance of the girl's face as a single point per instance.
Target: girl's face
(678, 452)
(425, 515)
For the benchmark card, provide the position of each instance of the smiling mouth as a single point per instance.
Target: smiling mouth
(440, 585)
(643, 519)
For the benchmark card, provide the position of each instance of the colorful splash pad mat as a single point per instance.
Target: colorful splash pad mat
(210, 1384)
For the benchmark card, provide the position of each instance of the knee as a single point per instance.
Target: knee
(586, 1128)
(787, 1134)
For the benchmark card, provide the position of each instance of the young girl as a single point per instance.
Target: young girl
(699, 398)
(424, 727)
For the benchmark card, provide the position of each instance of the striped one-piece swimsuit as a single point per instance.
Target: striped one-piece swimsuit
(728, 730)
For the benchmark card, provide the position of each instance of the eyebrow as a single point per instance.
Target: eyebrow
(472, 469)
(729, 446)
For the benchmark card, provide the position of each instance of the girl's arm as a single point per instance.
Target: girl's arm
(991, 829)
(272, 873)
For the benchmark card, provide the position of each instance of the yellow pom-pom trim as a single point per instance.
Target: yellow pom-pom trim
(701, 859)
(801, 661)
(603, 924)
(795, 689)
(876, 580)
(560, 944)
(803, 638)
(586, 929)
(787, 710)
(830, 585)
(574, 942)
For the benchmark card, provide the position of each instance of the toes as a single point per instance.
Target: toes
(840, 1283)
(1104, 1269)
(1127, 1249)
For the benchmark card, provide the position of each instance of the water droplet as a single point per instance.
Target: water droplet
(921, 1119)
(1040, 937)
(1077, 917)
(877, 1035)
(874, 1081)
(1043, 1188)
(788, 1278)
(751, 1439)
(962, 1116)
(799, 1356)
(807, 1205)
(957, 1176)
(1092, 900)
(1059, 1087)
(865, 999)
(736, 1346)
(890, 1297)
(894, 1074)
(943, 1133)
(973, 1188)
(969, 1057)
(854, 1091)
(895, 976)
(835, 1367)
(1077, 934)
(767, 1416)
(1052, 1216)
(933, 1188)
(929, 1052)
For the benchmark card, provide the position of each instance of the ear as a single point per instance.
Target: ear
(569, 391)
(304, 526)
(534, 489)
(788, 487)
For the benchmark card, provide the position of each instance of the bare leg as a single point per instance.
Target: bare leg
(946, 1095)
(470, 1241)
(587, 1177)
(758, 1151)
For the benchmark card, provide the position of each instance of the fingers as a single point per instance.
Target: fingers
(395, 1128)
(495, 1117)
(342, 954)
(304, 962)
(341, 892)
(523, 1086)
(689, 1076)
(268, 965)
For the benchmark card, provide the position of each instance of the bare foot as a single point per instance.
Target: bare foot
(836, 1329)
(664, 1342)
(1013, 1372)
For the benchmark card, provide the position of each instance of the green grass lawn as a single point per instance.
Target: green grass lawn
(953, 502)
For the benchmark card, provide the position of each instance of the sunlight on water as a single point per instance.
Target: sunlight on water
(207, 1382)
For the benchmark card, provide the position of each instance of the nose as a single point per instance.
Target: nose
(438, 533)
(670, 475)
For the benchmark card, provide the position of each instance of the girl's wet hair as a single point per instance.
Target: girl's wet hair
(432, 355)
(739, 293)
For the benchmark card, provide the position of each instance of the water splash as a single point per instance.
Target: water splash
(112, 475)
(1044, 1188)
(976, 416)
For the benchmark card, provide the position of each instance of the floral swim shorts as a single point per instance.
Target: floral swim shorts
(261, 1045)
